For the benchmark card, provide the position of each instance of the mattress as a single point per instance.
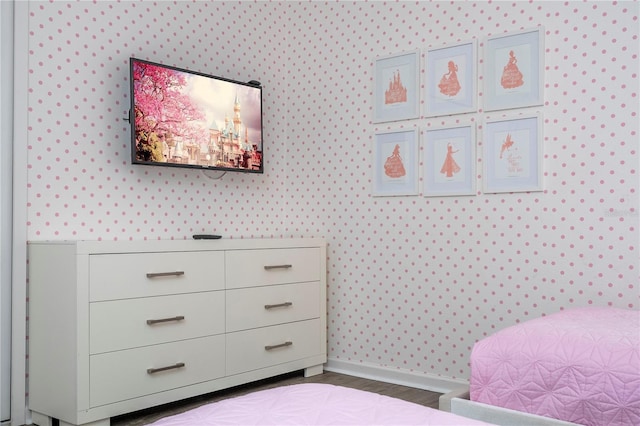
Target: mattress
(580, 365)
(314, 404)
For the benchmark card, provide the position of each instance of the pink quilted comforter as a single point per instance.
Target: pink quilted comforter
(313, 404)
(580, 365)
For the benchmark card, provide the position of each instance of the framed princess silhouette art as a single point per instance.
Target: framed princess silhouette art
(396, 87)
(450, 86)
(395, 163)
(514, 70)
(449, 161)
(513, 154)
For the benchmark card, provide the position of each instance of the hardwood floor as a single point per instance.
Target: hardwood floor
(144, 417)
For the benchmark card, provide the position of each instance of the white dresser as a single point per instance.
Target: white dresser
(118, 326)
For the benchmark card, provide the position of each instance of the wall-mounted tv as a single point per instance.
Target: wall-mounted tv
(182, 118)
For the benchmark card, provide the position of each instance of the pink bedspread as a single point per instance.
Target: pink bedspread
(580, 365)
(314, 404)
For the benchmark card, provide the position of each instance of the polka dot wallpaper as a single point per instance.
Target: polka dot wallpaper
(413, 281)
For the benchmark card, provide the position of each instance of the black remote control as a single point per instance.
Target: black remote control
(206, 237)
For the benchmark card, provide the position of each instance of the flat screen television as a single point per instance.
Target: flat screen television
(182, 118)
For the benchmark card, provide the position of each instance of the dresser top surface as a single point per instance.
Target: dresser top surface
(141, 246)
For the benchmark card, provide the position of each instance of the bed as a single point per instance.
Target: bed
(580, 365)
(314, 404)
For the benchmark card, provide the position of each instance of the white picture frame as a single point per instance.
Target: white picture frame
(514, 70)
(395, 163)
(451, 79)
(513, 154)
(449, 161)
(396, 86)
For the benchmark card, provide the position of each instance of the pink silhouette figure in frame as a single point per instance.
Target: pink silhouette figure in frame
(508, 143)
(511, 75)
(450, 167)
(393, 166)
(449, 84)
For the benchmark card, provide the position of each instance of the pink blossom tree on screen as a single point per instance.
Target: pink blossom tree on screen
(162, 111)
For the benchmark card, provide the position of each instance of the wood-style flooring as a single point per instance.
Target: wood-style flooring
(144, 417)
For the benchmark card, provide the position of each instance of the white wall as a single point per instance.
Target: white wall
(414, 281)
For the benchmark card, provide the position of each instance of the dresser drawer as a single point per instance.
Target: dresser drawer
(130, 323)
(121, 276)
(264, 347)
(247, 268)
(277, 304)
(122, 375)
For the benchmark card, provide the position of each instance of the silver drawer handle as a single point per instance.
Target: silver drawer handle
(156, 321)
(169, 367)
(270, 267)
(279, 305)
(164, 274)
(281, 345)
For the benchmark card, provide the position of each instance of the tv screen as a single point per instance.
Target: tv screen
(183, 118)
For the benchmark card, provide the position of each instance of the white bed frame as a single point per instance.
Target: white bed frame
(457, 402)
(454, 398)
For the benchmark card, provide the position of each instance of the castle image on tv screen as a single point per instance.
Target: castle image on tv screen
(184, 118)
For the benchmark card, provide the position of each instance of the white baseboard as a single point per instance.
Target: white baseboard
(409, 378)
